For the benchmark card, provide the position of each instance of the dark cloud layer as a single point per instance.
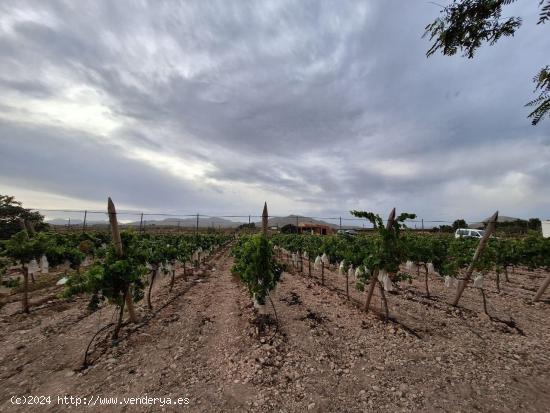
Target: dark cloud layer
(316, 106)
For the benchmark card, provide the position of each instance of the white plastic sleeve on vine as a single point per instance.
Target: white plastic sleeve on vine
(168, 267)
(341, 268)
(409, 265)
(351, 272)
(325, 260)
(478, 281)
(358, 272)
(305, 255)
(450, 282)
(33, 267)
(431, 269)
(261, 308)
(388, 285)
(317, 264)
(44, 264)
(148, 266)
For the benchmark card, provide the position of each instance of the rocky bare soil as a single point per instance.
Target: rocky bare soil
(325, 355)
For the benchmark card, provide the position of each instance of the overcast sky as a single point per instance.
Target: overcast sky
(316, 107)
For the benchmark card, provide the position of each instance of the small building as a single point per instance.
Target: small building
(314, 229)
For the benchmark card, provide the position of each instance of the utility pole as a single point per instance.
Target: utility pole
(422, 224)
(197, 229)
(141, 223)
(340, 223)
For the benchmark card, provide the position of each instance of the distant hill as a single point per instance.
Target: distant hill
(214, 222)
(501, 218)
(291, 219)
(184, 223)
(59, 221)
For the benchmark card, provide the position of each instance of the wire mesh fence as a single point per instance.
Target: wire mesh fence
(84, 219)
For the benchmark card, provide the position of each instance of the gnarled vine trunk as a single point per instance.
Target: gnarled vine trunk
(120, 314)
(153, 276)
(172, 279)
(426, 281)
(25, 299)
(384, 301)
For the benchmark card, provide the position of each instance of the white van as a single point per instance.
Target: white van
(469, 233)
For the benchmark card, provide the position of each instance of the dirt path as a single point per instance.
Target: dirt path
(327, 356)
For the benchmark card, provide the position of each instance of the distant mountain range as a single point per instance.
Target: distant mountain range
(501, 218)
(215, 222)
(168, 222)
(59, 221)
(211, 222)
(297, 219)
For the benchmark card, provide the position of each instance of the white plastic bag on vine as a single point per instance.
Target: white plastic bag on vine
(409, 265)
(33, 267)
(381, 275)
(478, 281)
(358, 272)
(295, 259)
(341, 268)
(450, 282)
(431, 269)
(44, 264)
(325, 259)
(387, 283)
(305, 255)
(261, 308)
(317, 264)
(351, 271)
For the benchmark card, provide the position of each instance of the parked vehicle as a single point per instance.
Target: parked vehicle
(469, 233)
(346, 232)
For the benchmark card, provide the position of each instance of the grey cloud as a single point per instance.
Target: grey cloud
(73, 164)
(256, 89)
